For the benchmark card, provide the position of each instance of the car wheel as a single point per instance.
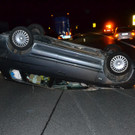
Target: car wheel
(36, 29)
(118, 63)
(21, 38)
(112, 49)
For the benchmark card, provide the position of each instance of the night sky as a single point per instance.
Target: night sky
(82, 13)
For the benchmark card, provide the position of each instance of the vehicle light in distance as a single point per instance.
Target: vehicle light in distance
(109, 26)
(133, 34)
(116, 35)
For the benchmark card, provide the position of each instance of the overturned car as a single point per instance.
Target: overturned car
(30, 52)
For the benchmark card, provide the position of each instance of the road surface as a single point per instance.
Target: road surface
(30, 110)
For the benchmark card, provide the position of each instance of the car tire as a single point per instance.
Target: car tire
(118, 63)
(21, 38)
(112, 49)
(36, 29)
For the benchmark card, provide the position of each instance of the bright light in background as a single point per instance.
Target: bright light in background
(133, 20)
(109, 25)
(94, 25)
(67, 13)
(76, 27)
(133, 34)
(51, 15)
(116, 35)
(84, 39)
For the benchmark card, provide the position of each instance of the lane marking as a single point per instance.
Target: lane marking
(133, 46)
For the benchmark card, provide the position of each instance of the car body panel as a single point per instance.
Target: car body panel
(57, 57)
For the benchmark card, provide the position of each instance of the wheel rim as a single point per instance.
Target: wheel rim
(119, 64)
(20, 38)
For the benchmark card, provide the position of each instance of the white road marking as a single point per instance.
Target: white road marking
(133, 46)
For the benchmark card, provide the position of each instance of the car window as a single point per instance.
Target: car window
(124, 29)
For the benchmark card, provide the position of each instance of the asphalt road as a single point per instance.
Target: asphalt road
(30, 110)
